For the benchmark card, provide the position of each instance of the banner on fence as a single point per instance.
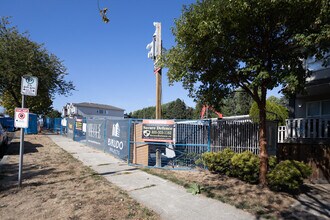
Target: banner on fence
(158, 130)
(117, 135)
(70, 130)
(79, 124)
(95, 130)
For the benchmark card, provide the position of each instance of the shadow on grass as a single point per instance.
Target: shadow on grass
(9, 171)
(13, 148)
(9, 175)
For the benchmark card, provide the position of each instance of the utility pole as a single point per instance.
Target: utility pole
(155, 53)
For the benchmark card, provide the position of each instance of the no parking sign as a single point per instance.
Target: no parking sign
(21, 117)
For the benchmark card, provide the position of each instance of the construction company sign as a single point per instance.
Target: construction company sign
(29, 85)
(21, 118)
(95, 133)
(158, 130)
(117, 136)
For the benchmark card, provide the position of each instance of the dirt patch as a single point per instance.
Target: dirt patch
(57, 186)
(261, 202)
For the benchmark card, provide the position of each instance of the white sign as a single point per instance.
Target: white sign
(21, 118)
(63, 122)
(29, 85)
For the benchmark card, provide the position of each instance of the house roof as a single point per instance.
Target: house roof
(95, 105)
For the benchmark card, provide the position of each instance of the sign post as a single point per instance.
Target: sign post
(29, 87)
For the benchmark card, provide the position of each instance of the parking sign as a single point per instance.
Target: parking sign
(29, 85)
(21, 118)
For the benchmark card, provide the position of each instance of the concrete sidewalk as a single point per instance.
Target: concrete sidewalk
(167, 199)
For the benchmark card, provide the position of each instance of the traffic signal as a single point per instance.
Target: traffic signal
(155, 46)
(151, 48)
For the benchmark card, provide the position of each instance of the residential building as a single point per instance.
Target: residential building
(86, 109)
(310, 110)
(306, 135)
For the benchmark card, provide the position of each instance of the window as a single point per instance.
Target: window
(313, 109)
(320, 108)
(326, 108)
(100, 111)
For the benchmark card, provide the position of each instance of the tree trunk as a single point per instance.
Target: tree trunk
(262, 140)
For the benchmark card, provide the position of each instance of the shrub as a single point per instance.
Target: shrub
(209, 160)
(288, 176)
(245, 166)
(219, 162)
(272, 162)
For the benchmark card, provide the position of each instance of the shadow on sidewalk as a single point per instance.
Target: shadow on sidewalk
(119, 172)
(313, 203)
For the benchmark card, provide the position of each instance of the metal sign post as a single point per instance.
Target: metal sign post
(21, 151)
(29, 87)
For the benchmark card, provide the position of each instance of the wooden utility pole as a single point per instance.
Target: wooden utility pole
(158, 69)
(155, 53)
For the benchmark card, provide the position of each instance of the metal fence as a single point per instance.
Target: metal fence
(238, 135)
(125, 139)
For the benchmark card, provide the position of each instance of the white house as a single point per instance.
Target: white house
(86, 109)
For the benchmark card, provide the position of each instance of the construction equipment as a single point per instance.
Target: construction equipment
(206, 108)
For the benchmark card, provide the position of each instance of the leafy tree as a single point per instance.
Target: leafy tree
(237, 103)
(54, 114)
(283, 101)
(274, 111)
(197, 110)
(173, 110)
(176, 109)
(255, 45)
(20, 56)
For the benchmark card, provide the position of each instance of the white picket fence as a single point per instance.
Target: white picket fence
(300, 128)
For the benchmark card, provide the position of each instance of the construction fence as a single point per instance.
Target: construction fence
(166, 143)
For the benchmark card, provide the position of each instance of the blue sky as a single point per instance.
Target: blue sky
(107, 63)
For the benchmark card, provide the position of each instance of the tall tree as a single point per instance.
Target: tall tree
(274, 111)
(172, 110)
(176, 109)
(255, 45)
(237, 103)
(54, 114)
(20, 56)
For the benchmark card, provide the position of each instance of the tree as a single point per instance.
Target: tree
(54, 114)
(283, 101)
(20, 56)
(176, 110)
(173, 110)
(274, 111)
(255, 45)
(237, 103)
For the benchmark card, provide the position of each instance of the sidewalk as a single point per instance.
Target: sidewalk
(167, 199)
